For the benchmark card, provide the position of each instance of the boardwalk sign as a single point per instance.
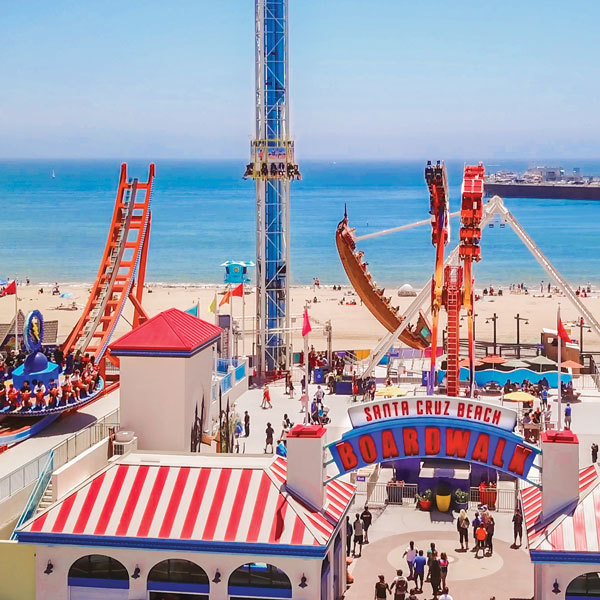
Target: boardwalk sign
(433, 427)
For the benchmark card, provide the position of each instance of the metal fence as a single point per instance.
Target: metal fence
(222, 364)
(500, 500)
(381, 494)
(64, 452)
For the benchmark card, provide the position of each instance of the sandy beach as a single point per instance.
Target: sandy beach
(353, 326)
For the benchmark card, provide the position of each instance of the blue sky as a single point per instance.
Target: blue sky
(378, 79)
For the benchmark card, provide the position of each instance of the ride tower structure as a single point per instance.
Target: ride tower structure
(272, 167)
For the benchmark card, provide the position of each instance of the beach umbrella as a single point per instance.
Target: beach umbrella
(390, 391)
(515, 363)
(519, 397)
(493, 359)
(541, 362)
(3, 282)
(571, 364)
(465, 363)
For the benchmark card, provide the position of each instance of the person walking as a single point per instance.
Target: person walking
(568, 416)
(480, 536)
(420, 562)
(269, 439)
(594, 453)
(381, 588)
(348, 536)
(291, 388)
(475, 523)
(358, 535)
(431, 553)
(518, 526)
(489, 541)
(435, 574)
(399, 586)
(246, 423)
(462, 525)
(367, 518)
(266, 401)
(411, 553)
(444, 568)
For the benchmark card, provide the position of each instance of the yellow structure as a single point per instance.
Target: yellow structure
(17, 575)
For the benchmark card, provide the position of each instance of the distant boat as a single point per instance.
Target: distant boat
(53, 174)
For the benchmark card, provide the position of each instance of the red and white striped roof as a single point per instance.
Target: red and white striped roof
(578, 531)
(196, 503)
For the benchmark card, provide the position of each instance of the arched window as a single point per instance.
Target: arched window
(176, 578)
(584, 586)
(257, 580)
(107, 576)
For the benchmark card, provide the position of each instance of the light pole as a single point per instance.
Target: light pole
(519, 319)
(582, 324)
(494, 319)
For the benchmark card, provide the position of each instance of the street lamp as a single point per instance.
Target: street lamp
(494, 319)
(519, 319)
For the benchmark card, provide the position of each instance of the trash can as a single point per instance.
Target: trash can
(424, 378)
(318, 375)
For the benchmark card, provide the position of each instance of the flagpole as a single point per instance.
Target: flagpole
(16, 320)
(306, 371)
(230, 323)
(243, 322)
(559, 342)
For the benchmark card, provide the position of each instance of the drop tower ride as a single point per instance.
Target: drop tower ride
(272, 167)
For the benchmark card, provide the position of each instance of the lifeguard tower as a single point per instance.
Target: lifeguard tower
(236, 271)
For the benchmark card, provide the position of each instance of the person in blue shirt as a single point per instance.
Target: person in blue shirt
(568, 416)
(544, 397)
(419, 563)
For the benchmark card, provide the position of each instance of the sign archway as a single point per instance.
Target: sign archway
(434, 427)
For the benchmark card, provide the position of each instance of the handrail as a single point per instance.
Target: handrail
(37, 493)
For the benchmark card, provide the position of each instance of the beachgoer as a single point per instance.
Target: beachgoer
(462, 525)
(269, 431)
(480, 536)
(475, 524)
(266, 400)
(431, 554)
(381, 588)
(367, 518)
(358, 535)
(411, 553)
(399, 586)
(348, 536)
(518, 526)
(490, 528)
(246, 424)
(419, 563)
(435, 574)
(594, 452)
(444, 562)
(568, 416)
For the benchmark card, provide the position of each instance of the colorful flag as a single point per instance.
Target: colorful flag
(238, 291)
(10, 289)
(306, 328)
(193, 311)
(213, 305)
(562, 332)
(225, 299)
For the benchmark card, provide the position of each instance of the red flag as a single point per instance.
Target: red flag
(225, 299)
(562, 332)
(306, 328)
(10, 289)
(238, 291)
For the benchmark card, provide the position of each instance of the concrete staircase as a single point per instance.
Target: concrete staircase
(46, 500)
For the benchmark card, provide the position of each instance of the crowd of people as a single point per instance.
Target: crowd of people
(78, 378)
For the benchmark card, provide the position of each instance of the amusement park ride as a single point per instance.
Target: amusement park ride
(121, 277)
(451, 287)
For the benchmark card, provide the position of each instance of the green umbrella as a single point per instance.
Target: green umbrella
(541, 362)
(515, 363)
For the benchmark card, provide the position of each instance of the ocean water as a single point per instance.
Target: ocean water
(204, 213)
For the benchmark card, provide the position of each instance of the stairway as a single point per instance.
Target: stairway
(46, 499)
(452, 292)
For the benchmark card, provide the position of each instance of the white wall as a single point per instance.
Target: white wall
(79, 469)
(564, 573)
(54, 586)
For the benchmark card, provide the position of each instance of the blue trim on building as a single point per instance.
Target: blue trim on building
(54, 539)
(166, 353)
(258, 592)
(544, 557)
(113, 584)
(168, 586)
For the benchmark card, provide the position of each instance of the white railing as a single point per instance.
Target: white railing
(67, 450)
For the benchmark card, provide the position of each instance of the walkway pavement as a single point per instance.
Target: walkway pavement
(59, 431)
(507, 574)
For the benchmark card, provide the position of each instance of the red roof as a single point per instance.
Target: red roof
(170, 331)
(195, 503)
(576, 531)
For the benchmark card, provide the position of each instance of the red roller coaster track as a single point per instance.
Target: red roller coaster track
(122, 270)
